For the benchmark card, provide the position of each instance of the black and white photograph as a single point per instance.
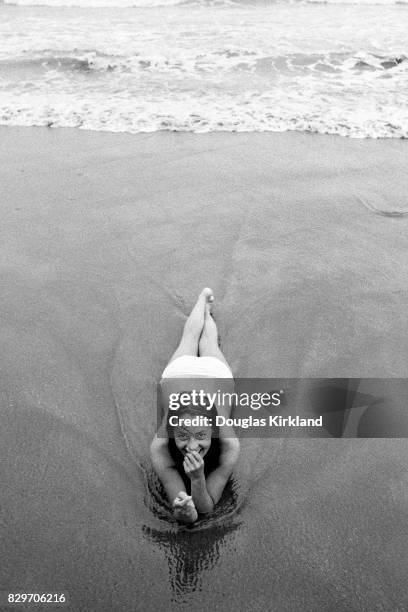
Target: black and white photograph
(204, 305)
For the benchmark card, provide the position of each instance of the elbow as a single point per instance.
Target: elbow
(210, 505)
(186, 519)
(207, 509)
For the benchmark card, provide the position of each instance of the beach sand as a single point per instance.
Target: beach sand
(106, 240)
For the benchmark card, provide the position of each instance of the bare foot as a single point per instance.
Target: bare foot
(208, 295)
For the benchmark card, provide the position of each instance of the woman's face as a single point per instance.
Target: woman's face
(190, 438)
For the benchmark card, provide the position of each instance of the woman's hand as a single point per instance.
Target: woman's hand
(184, 508)
(194, 465)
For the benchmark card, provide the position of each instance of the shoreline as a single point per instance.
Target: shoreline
(119, 133)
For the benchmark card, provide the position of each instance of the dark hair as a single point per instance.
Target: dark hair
(212, 457)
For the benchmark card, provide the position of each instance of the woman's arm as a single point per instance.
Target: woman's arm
(230, 448)
(164, 468)
(163, 463)
(194, 468)
(207, 492)
(182, 504)
(217, 480)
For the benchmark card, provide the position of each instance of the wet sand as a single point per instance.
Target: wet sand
(106, 239)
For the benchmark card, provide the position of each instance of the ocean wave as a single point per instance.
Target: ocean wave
(206, 115)
(227, 89)
(144, 4)
(184, 70)
(233, 60)
(358, 2)
(80, 60)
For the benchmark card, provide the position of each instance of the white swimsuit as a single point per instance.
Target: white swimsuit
(189, 366)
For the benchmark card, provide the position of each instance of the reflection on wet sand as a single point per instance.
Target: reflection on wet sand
(190, 552)
(191, 549)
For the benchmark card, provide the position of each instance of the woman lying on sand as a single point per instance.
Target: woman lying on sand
(194, 462)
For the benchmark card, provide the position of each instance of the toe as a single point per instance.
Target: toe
(208, 294)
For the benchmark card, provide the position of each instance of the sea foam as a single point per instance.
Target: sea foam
(203, 68)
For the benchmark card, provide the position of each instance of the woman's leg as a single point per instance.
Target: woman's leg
(193, 326)
(208, 344)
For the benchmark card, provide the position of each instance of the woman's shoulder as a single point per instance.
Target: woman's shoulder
(230, 449)
(230, 444)
(159, 453)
